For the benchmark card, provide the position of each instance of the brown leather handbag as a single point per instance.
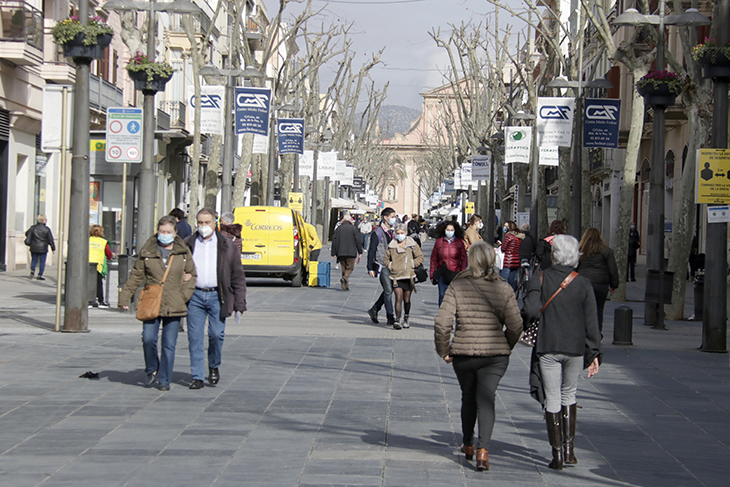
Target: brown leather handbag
(150, 298)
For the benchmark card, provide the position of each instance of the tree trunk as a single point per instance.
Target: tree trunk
(211, 173)
(626, 198)
(286, 170)
(239, 186)
(586, 204)
(684, 218)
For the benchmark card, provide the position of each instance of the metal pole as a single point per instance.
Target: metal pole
(490, 218)
(229, 146)
(535, 185)
(76, 314)
(325, 210)
(124, 209)
(295, 188)
(272, 161)
(714, 323)
(576, 170)
(61, 206)
(315, 156)
(146, 206)
(654, 312)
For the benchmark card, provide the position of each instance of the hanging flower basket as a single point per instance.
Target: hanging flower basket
(715, 59)
(83, 41)
(659, 88)
(148, 75)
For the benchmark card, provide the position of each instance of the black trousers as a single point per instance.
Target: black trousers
(631, 268)
(99, 287)
(479, 378)
(600, 291)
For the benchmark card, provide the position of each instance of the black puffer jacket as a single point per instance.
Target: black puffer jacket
(40, 238)
(569, 324)
(600, 268)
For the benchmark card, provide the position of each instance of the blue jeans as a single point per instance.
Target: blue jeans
(386, 297)
(443, 286)
(39, 259)
(163, 365)
(510, 275)
(205, 304)
(365, 240)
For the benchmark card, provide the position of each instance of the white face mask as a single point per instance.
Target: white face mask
(392, 221)
(449, 233)
(480, 226)
(205, 231)
(400, 237)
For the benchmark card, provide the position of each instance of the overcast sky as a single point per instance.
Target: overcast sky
(412, 60)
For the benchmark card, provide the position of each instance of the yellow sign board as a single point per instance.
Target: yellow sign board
(97, 145)
(713, 176)
(296, 201)
(469, 208)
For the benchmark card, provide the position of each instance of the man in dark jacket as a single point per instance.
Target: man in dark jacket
(220, 290)
(38, 238)
(346, 245)
(379, 240)
(182, 227)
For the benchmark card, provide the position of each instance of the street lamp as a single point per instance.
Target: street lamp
(654, 312)
(273, 132)
(229, 138)
(524, 116)
(146, 204)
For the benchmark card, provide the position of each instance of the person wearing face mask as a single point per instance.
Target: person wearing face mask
(402, 257)
(471, 235)
(220, 291)
(448, 256)
(379, 241)
(164, 250)
(511, 247)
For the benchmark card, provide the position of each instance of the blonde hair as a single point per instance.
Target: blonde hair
(41, 218)
(481, 260)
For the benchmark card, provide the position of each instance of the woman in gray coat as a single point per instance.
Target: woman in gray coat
(568, 340)
(488, 324)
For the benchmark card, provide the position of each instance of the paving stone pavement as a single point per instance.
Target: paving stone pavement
(312, 394)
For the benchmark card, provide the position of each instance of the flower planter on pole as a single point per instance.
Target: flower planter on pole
(657, 95)
(142, 81)
(717, 66)
(76, 48)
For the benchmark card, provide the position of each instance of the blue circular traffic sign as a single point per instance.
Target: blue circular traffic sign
(133, 127)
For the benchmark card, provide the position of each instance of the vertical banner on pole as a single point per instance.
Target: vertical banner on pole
(517, 144)
(291, 135)
(212, 114)
(252, 110)
(555, 121)
(306, 164)
(480, 168)
(600, 123)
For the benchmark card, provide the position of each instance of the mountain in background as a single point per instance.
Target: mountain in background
(395, 119)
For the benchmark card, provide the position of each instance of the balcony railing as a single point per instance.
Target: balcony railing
(103, 94)
(21, 22)
(201, 23)
(177, 111)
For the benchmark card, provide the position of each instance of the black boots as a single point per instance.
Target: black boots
(555, 436)
(569, 434)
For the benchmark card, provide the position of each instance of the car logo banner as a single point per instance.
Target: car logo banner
(555, 121)
(252, 110)
(291, 135)
(212, 103)
(600, 123)
(517, 144)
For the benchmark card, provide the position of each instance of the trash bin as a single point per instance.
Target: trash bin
(699, 294)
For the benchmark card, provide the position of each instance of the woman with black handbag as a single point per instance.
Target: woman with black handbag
(448, 256)
(164, 260)
(488, 325)
(402, 256)
(568, 340)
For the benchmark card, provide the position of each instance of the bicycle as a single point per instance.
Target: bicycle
(523, 278)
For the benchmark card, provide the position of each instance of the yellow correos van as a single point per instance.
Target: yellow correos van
(274, 242)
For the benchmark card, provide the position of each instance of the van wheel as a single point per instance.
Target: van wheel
(297, 278)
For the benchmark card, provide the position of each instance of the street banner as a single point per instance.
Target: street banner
(340, 166)
(466, 174)
(555, 121)
(480, 167)
(713, 176)
(549, 156)
(52, 115)
(600, 123)
(252, 110)
(326, 165)
(212, 106)
(260, 144)
(517, 144)
(306, 164)
(358, 184)
(291, 135)
(349, 176)
(449, 187)
(124, 134)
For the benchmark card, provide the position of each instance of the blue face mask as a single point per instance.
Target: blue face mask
(400, 237)
(165, 239)
(392, 221)
(449, 233)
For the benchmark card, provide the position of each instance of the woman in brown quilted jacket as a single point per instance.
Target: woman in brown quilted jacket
(483, 303)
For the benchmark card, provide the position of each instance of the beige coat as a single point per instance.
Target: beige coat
(402, 260)
(150, 269)
(479, 325)
(471, 235)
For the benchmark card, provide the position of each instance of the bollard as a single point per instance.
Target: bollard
(91, 284)
(123, 270)
(623, 325)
